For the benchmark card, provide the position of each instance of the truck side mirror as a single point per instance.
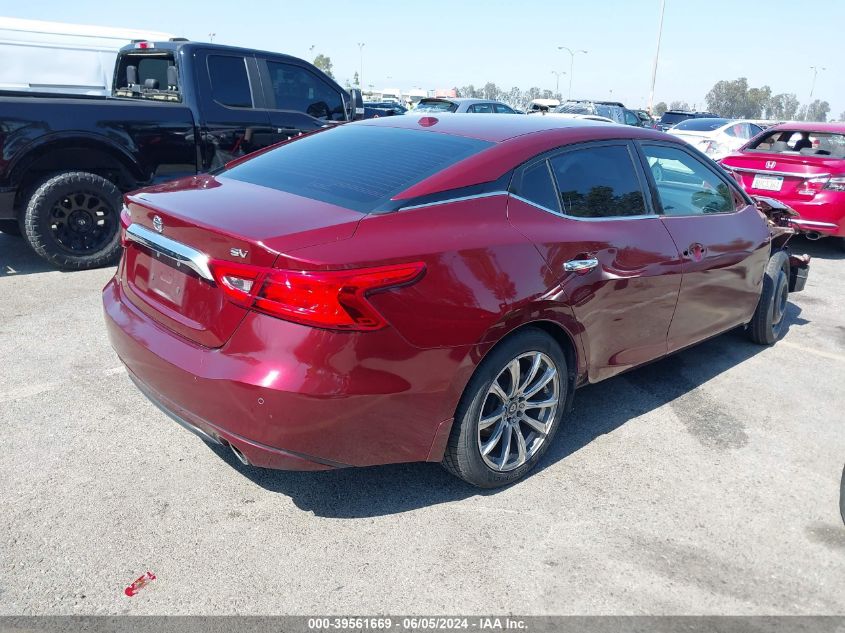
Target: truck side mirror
(357, 104)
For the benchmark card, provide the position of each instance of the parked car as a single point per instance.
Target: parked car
(612, 110)
(646, 120)
(462, 105)
(178, 108)
(432, 288)
(716, 137)
(391, 107)
(542, 105)
(802, 165)
(673, 117)
(558, 113)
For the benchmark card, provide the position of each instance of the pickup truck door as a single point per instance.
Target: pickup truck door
(233, 119)
(722, 238)
(298, 99)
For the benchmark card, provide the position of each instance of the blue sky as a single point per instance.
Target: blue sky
(442, 44)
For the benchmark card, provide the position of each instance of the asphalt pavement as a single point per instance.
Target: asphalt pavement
(706, 483)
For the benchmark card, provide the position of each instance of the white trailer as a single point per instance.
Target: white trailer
(40, 56)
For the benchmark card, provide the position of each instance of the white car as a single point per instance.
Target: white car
(716, 137)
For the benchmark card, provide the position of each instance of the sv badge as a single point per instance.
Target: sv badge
(237, 252)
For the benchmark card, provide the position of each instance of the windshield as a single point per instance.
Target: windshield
(575, 108)
(359, 167)
(805, 143)
(436, 106)
(701, 125)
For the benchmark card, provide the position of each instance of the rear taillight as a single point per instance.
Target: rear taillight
(836, 183)
(125, 221)
(812, 186)
(335, 299)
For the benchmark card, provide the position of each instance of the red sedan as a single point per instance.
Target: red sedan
(802, 165)
(432, 288)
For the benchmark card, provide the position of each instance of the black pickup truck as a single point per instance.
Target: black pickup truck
(177, 108)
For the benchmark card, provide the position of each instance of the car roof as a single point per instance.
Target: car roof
(499, 129)
(809, 126)
(459, 100)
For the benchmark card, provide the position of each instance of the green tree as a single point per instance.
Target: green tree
(759, 102)
(490, 91)
(817, 111)
(679, 105)
(841, 116)
(659, 109)
(782, 107)
(324, 63)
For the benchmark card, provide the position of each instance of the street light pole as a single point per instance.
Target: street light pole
(557, 74)
(211, 37)
(815, 72)
(571, 64)
(361, 53)
(656, 56)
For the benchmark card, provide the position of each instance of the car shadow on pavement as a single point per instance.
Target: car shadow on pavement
(826, 248)
(599, 409)
(17, 258)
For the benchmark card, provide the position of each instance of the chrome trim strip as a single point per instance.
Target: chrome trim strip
(814, 223)
(615, 218)
(774, 173)
(450, 200)
(192, 258)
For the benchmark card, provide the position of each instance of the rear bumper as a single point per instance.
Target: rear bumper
(825, 214)
(292, 397)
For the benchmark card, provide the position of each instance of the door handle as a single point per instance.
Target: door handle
(580, 265)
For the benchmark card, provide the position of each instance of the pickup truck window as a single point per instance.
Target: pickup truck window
(295, 88)
(359, 167)
(229, 81)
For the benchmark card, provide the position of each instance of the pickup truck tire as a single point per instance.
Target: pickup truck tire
(10, 227)
(766, 324)
(73, 220)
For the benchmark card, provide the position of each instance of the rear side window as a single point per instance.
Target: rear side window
(359, 167)
(482, 108)
(598, 182)
(297, 89)
(229, 81)
(536, 185)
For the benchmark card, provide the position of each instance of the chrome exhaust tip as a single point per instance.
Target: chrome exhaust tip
(241, 457)
(813, 235)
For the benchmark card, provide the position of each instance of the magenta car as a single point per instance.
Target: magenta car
(803, 166)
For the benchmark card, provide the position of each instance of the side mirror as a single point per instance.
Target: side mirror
(357, 104)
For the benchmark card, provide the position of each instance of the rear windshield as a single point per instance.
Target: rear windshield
(701, 125)
(805, 143)
(436, 106)
(359, 167)
(670, 118)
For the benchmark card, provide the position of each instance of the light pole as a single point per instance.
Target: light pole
(815, 70)
(656, 55)
(361, 73)
(311, 52)
(557, 74)
(211, 37)
(571, 64)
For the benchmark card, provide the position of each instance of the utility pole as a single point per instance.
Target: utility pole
(361, 73)
(571, 64)
(656, 56)
(815, 70)
(557, 74)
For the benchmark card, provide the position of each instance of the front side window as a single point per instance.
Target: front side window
(598, 182)
(229, 81)
(294, 88)
(503, 109)
(685, 185)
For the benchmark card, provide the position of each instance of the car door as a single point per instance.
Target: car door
(233, 121)
(481, 108)
(722, 237)
(298, 99)
(610, 259)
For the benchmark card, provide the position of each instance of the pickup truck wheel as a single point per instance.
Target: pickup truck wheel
(766, 324)
(73, 220)
(509, 412)
(10, 227)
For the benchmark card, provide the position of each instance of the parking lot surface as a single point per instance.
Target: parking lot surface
(706, 483)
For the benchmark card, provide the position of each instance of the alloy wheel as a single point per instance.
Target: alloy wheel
(518, 411)
(82, 222)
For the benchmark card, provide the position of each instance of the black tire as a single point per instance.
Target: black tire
(73, 220)
(463, 456)
(767, 323)
(842, 243)
(10, 227)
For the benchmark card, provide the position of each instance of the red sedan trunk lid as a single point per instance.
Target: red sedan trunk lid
(172, 223)
(781, 176)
